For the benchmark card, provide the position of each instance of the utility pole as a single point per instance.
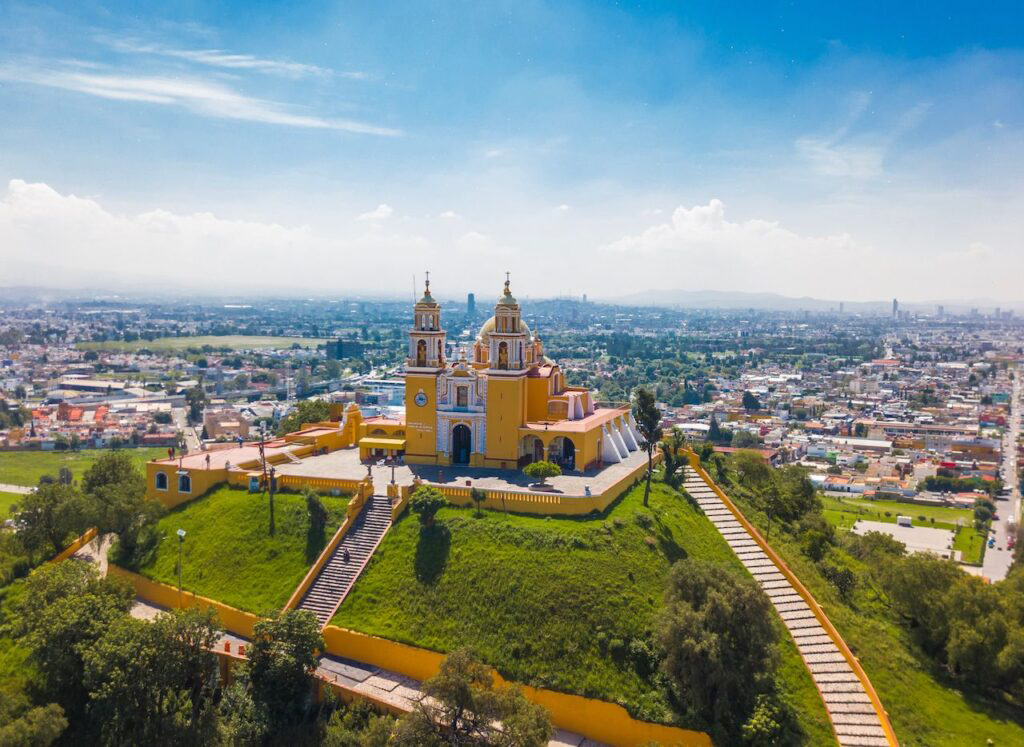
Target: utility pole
(181, 541)
(273, 481)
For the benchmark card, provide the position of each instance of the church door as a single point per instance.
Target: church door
(461, 444)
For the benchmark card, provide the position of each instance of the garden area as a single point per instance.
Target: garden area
(229, 554)
(564, 603)
(26, 467)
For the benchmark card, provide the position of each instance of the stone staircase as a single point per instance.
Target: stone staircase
(853, 716)
(336, 578)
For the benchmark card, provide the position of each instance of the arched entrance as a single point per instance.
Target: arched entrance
(531, 449)
(562, 452)
(462, 442)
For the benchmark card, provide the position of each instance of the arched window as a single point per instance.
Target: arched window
(161, 481)
(421, 353)
(184, 484)
(503, 355)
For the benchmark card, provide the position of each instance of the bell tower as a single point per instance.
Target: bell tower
(509, 338)
(424, 364)
(506, 380)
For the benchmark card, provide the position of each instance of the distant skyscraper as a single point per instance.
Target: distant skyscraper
(471, 304)
(941, 311)
(895, 308)
(584, 298)
(842, 307)
(999, 312)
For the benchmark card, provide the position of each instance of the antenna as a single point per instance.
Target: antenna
(414, 287)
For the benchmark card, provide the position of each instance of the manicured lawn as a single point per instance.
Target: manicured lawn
(177, 344)
(6, 501)
(924, 707)
(228, 553)
(26, 467)
(552, 602)
(971, 544)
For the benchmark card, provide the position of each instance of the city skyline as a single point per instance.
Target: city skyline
(606, 151)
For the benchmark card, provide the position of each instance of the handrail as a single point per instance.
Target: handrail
(819, 613)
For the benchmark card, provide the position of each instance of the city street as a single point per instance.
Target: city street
(998, 558)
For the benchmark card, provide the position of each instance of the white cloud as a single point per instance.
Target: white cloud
(449, 215)
(230, 61)
(379, 213)
(207, 98)
(563, 208)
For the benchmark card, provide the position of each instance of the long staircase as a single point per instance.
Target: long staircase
(856, 720)
(336, 578)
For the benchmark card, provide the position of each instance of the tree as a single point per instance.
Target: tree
(307, 411)
(750, 402)
(674, 462)
(648, 421)
(426, 502)
(24, 726)
(478, 496)
(717, 633)
(117, 493)
(542, 470)
(196, 399)
(154, 682)
(745, 440)
(282, 658)
(48, 516)
(67, 607)
(463, 707)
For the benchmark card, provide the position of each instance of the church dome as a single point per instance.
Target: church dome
(485, 331)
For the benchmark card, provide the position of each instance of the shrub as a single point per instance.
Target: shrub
(426, 502)
(542, 470)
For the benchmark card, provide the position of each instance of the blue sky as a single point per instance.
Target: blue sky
(855, 153)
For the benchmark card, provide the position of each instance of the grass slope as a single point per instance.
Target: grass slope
(178, 344)
(6, 501)
(925, 708)
(26, 467)
(548, 601)
(229, 555)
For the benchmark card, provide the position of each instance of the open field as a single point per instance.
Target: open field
(228, 553)
(844, 513)
(6, 501)
(26, 467)
(180, 344)
(926, 709)
(562, 603)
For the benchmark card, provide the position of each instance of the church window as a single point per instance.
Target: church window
(503, 355)
(461, 396)
(161, 481)
(421, 353)
(184, 484)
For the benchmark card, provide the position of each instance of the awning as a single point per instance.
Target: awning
(382, 443)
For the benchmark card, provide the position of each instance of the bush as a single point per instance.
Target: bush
(542, 470)
(426, 502)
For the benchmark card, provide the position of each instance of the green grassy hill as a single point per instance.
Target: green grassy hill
(26, 467)
(228, 553)
(561, 603)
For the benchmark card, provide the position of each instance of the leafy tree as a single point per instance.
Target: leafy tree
(282, 658)
(67, 607)
(306, 411)
(750, 402)
(48, 516)
(463, 707)
(674, 462)
(426, 502)
(153, 682)
(542, 470)
(717, 634)
(648, 421)
(117, 492)
(22, 725)
(745, 440)
(196, 400)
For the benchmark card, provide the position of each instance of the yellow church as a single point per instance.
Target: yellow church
(501, 404)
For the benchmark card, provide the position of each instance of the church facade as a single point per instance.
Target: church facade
(501, 403)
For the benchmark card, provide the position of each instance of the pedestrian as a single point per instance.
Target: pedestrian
(344, 554)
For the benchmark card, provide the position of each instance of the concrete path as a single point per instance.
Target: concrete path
(19, 489)
(997, 561)
(853, 716)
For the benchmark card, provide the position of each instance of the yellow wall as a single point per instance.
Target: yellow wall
(537, 398)
(597, 719)
(506, 412)
(421, 422)
(203, 480)
(75, 546)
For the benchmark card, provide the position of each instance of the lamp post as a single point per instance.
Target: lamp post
(272, 485)
(181, 541)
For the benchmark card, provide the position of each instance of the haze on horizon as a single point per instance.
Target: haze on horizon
(855, 154)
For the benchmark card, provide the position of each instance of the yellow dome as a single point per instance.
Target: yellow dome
(485, 331)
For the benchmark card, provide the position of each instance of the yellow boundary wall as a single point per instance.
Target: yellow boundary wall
(545, 504)
(351, 511)
(75, 546)
(819, 613)
(597, 719)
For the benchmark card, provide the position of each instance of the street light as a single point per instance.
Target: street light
(181, 541)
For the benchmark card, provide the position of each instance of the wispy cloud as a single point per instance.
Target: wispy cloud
(379, 213)
(231, 61)
(203, 97)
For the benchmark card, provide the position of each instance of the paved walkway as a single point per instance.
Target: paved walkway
(19, 489)
(853, 716)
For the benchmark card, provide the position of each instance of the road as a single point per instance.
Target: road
(192, 443)
(998, 558)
